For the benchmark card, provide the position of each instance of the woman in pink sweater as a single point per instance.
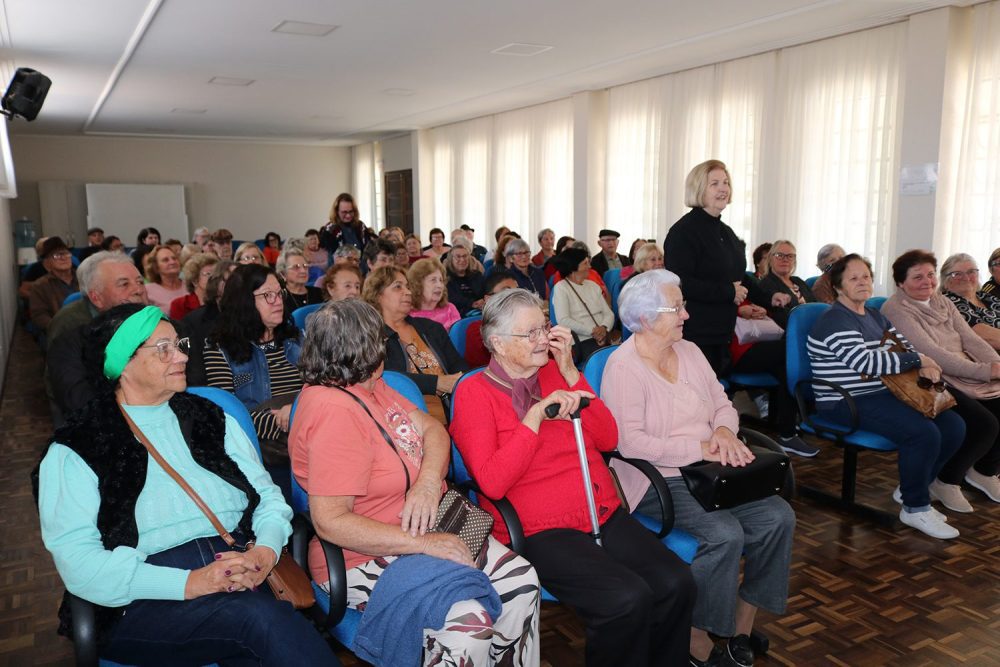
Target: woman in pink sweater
(633, 594)
(672, 411)
(969, 365)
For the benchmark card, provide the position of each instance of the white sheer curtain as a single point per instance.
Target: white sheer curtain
(513, 169)
(658, 129)
(364, 183)
(808, 133)
(968, 214)
(832, 150)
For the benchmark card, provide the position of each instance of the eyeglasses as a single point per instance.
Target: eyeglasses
(954, 275)
(270, 297)
(251, 259)
(533, 335)
(59, 255)
(995, 263)
(785, 255)
(672, 309)
(521, 253)
(297, 266)
(925, 383)
(165, 348)
(207, 274)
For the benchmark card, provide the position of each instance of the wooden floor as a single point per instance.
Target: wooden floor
(860, 595)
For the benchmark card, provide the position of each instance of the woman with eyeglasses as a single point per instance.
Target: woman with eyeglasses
(125, 536)
(634, 595)
(990, 286)
(778, 279)
(197, 271)
(249, 253)
(466, 283)
(672, 411)
(981, 310)
(293, 267)
(845, 347)
(254, 353)
(969, 366)
(517, 254)
(418, 347)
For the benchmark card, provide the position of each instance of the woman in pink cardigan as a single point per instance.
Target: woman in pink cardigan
(969, 365)
(672, 411)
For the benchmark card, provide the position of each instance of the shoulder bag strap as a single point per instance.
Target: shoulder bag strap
(141, 437)
(570, 283)
(381, 429)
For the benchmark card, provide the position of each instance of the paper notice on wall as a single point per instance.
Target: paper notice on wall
(918, 179)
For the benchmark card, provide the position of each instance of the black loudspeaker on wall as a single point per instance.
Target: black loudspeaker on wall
(25, 94)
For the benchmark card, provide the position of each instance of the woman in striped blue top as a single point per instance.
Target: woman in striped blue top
(845, 348)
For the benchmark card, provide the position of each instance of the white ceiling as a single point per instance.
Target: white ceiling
(141, 68)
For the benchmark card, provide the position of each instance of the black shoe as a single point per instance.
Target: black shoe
(796, 445)
(714, 658)
(738, 650)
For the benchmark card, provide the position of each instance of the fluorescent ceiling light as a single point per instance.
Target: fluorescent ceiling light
(305, 29)
(229, 81)
(518, 49)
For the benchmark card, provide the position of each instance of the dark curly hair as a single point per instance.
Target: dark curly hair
(96, 337)
(569, 260)
(239, 325)
(344, 344)
(837, 269)
(908, 260)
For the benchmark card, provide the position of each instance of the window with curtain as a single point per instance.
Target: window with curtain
(808, 134)
(968, 214)
(364, 183)
(513, 169)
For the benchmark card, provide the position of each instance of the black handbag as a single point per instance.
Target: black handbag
(719, 487)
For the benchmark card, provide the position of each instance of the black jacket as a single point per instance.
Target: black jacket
(772, 284)
(708, 256)
(463, 290)
(436, 338)
(599, 262)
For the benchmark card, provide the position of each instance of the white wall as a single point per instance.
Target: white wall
(249, 188)
(397, 153)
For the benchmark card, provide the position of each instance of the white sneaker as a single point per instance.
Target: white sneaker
(929, 524)
(763, 406)
(950, 495)
(897, 495)
(988, 485)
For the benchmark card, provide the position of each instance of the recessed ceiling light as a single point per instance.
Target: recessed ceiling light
(399, 92)
(304, 28)
(188, 111)
(229, 81)
(518, 49)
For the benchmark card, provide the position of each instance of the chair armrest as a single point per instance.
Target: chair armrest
(337, 569)
(84, 631)
(298, 544)
(659, 485)
(800, 398)
(507, 512)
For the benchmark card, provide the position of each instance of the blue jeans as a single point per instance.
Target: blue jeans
(925, 445)
(247, 628)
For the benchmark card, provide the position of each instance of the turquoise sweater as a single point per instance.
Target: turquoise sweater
(166, 517)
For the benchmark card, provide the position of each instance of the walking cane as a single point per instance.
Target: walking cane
(551, 411)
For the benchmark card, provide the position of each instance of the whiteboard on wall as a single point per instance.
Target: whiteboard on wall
(123, 209)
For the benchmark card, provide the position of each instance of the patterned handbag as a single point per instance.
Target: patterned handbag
(457, 515)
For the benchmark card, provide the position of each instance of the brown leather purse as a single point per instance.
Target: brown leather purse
(287, 580)
(928, 398)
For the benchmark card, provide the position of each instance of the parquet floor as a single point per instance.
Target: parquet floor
(860, 595)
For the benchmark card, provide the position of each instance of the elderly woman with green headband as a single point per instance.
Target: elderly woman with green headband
(126, 537)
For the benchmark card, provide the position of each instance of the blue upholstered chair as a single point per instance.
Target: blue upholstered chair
(301, 315)
(459, 330)
(811, 280)
(71, 297)
(875, 302)
(850, 438)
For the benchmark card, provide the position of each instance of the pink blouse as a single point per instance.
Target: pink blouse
(445, 316)
(659, 421)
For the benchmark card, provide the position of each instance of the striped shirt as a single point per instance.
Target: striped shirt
(285, 379)
(846, 348)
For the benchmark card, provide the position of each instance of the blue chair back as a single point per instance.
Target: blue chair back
(233, 407)
(593, 370)
(875, 302)
(487, 266)
(301, 315)
(612, 278)
(315, 273)
(459, 474)
(459, 330)
(260, 243)
(552, 311)
(811, 280)
(800, 323)
(406, 387)
(73, 296)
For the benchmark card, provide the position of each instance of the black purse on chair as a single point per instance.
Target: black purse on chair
(718, 487)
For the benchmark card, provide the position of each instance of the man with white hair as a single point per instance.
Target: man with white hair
(106, 279)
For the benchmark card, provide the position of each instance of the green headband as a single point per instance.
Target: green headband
(130, 335)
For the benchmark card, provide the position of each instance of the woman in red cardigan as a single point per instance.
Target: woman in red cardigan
(634, 595)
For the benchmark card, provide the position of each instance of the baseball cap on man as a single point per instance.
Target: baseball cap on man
(607, 232)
